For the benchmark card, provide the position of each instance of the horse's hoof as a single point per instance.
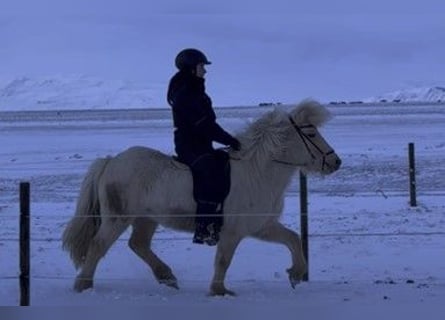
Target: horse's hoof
(82, 284)
(220, 292)
(294, 277)
(172, 283)
(293, 283)
(166, 276)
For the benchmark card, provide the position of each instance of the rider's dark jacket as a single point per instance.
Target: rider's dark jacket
(193, 118)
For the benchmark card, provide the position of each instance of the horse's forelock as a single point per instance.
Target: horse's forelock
(310, 111)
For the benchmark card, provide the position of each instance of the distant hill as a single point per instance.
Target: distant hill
(421, 94)
(75, 92)
(86, 92)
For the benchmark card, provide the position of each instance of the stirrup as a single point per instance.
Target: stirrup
(210, 240)
(206, 234)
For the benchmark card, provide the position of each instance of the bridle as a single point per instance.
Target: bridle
(308, 141)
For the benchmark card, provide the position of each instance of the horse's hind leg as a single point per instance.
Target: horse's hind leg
(276, 232)
(109, 231)
(140, 241)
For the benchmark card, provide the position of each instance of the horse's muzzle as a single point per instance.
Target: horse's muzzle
(332, 163)
(337, 163)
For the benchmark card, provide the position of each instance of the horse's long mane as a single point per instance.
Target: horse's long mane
(269, 132)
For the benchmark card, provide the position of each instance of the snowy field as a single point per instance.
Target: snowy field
(369, 250)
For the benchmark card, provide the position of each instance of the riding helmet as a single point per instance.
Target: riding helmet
(188, 59)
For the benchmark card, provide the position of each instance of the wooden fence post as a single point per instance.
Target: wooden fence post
(412, 175)
(24, 244)
(304, 221)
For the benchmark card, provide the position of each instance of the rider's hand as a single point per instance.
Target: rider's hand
(235, 144)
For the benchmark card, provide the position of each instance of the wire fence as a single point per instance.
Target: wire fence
(38, 217)
(313, 235)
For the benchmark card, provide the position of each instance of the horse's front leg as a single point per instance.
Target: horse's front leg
(276, 232)
(224, 254)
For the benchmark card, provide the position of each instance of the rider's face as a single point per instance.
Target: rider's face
(200, 70)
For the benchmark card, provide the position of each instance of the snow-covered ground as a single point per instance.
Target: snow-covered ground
(369, 250)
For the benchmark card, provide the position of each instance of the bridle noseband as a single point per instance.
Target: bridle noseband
(308, 141)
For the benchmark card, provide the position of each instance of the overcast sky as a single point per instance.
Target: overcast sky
(261, 50)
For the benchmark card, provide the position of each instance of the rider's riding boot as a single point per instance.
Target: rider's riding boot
(208, 224)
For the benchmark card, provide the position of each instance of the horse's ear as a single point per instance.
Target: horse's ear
(310, 111)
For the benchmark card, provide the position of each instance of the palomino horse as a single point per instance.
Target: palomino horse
(143, 188)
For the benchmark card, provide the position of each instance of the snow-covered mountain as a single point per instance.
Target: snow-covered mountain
(86, 92)
(419, 94)
(75, 92)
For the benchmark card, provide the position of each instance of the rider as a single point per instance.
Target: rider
(195, 131)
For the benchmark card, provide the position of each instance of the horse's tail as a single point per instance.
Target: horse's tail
(83, 226)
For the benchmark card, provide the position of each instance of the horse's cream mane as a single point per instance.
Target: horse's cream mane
(269, 132)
